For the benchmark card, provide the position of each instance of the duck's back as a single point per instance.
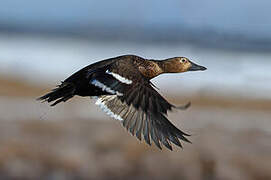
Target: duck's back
(124, 66)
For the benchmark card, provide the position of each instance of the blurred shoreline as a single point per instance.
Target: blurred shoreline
(76, 140)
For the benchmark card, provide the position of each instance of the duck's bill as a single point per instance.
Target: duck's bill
(195, 67)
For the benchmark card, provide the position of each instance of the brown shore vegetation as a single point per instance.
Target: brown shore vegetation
(231, 140)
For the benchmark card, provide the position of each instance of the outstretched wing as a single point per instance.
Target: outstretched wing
(140, 108)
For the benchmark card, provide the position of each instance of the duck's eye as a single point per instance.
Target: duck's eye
(183, 60)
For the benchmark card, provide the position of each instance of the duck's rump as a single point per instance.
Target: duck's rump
(77, 84)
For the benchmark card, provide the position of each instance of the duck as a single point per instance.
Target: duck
(123, 89)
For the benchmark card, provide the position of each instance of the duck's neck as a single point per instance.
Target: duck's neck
(153, 68)
(166, 66)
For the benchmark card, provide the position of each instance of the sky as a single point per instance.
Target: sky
(249, 17)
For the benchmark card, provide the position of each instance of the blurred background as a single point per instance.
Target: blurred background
(43, 42)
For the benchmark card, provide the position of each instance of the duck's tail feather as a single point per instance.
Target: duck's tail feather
(62, 93)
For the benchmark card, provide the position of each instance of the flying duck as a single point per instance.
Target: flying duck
(122, 88)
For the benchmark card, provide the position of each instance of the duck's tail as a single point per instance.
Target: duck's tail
(62, 93)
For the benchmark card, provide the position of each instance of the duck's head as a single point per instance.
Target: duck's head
(180, 64)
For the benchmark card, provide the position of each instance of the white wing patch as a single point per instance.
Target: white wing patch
(102, 105)
(119, 77)
(104, 87)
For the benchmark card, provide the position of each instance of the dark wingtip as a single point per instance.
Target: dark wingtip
(184, 134)
(175, 140)
(184, 107)
(43, 99)
(147, 139)
(188, 141)
(40, 99)
(138, 135)
(184, 138)
(159, 146)
(169, 147)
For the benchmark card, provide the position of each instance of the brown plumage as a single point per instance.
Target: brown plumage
(124, 91)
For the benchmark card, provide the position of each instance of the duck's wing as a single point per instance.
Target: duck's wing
(140, 108)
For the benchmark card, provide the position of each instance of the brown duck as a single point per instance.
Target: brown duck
(123, 89)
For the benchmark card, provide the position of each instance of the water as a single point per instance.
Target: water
(49, 59)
